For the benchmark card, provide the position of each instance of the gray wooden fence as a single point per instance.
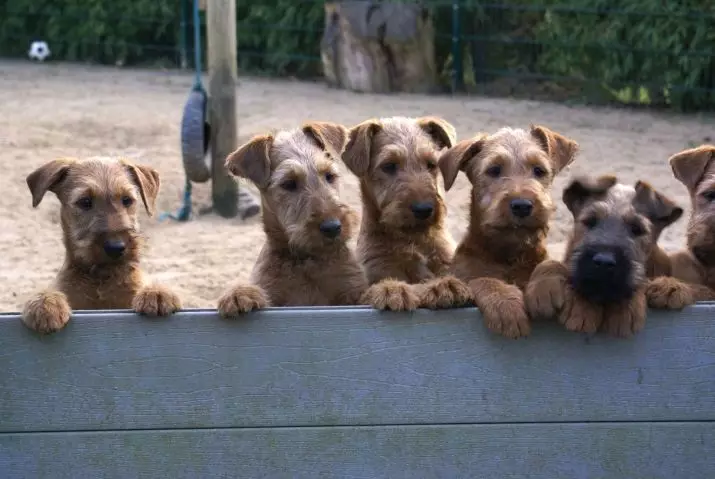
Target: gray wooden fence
(350, 392)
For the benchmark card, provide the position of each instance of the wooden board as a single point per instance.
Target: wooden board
(346, 366)
(548, 451)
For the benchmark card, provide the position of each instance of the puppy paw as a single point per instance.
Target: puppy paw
(502, 308)
(155, 301)
(391, 295)
(579, 315)
(240, 300)
(47, 313)
(625, 320)
(669, 293)
(545, 296)
(446, 292)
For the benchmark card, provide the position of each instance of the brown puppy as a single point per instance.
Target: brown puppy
(403, 242)
(100, 227)
(306, 260)
(601, 283)
(692, 269)
(511, 173)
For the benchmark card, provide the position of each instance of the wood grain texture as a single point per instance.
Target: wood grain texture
(346, 366)
(548, 451)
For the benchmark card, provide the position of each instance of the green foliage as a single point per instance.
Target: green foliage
(658, 52)
(101, 31)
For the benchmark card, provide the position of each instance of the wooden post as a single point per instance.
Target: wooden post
(221, 34)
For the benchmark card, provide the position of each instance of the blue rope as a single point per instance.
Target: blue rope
(184, 212)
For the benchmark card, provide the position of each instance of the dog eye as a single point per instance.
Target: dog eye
(494, 171)
(330, 177)
(709, 195)
(84, 203)
(431, 165)
(127, 201)
(590, 222)
(637, 229)
(389, 168)
(539, 172)
(289, 185)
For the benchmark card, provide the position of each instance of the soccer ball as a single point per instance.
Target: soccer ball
(39, 51)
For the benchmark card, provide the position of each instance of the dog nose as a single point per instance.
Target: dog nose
(604, 259)
(114, 249)
(521, 208)
(422, 209)
(331, 228)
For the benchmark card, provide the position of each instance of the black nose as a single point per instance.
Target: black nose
(331, 228)
(604, 259)
(521, 208)
(114, 249)
(422, 209)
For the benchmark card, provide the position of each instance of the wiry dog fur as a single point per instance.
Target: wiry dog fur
(100, 201)
(602, 281)
(511, 173)
(403, 242)
(306, 259)
(692, 269)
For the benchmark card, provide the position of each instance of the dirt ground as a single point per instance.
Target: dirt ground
(50, 110)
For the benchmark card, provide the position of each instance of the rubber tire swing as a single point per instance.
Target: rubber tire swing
(195, 129)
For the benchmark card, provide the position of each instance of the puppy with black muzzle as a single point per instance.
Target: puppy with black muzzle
(602, 281)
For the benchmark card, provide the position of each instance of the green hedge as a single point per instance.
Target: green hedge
(645, 51)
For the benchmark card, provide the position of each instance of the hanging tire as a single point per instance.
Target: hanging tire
(193, 137)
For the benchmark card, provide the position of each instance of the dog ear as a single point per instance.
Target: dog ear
(251, 161)
(689, 165)
(441, 131)
(584, 189)
(358, 150)
(48, 178)
(658, 208)
(329, 137)
(458, 158)
(560, 149)
(148, 182)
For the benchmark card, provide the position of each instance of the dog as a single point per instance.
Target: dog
(306, 260)
(511, 172)
(691, 275)
(602, 282)
(403, 243)
(99, 200)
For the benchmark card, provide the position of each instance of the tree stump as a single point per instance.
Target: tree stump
(369, 46)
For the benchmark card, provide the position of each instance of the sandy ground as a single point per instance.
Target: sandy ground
(49, 110)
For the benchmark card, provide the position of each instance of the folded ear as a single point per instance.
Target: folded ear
(252, 161)
(48, 177)
(658, 208)
(441, 131)
(148, 182)
(560, 149)
(583, 189)
(458, 158)
(329, 137)
(690, 165)
(359, 148)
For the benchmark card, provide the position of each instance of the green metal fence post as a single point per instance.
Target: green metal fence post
(457, 63)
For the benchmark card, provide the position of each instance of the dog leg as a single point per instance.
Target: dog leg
(579, 315)
(241, 299)
(155, 300)
(627, 319)
(502, 307)
(393, 295)
(445, 292)
(545, 294)
(47, 313)
(665, 292)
